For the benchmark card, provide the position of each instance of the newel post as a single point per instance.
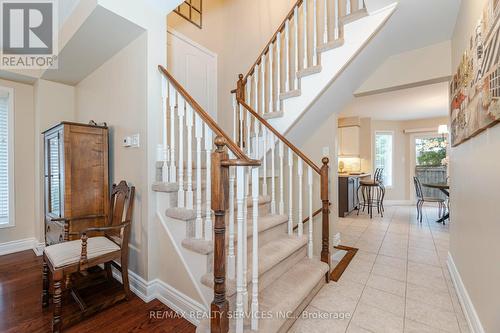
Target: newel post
(220, 188)
(325, 249)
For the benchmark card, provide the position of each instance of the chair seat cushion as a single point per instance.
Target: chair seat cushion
(68, 253)
(369, 182)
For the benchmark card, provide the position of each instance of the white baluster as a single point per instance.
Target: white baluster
(245, 235)
(287, 55)
(199, 135)
(310, 229)
(348, 9)
(296, 47)
(273, 175)
(189, 125)
(248, 121)
(242, 126)
(300, 217)
(208, 186)
(248, 90)
(164, 152)
(281, 156)
(278, 71)
(235, 118)
(336, 19)
(361, 4)
(255, 236)
(271, 78)
(256, 88)
(264, 160)
(181, 108)
(263, 84)
(290, 192)
(240, 196)
(231, 259)
(325, 23)
(306, 48)
(315, 33)
(172, 102)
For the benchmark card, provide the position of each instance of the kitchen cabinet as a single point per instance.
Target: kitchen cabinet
(348, 193)
(348, 138)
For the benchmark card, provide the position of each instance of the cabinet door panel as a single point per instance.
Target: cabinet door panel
(349, 141)
(53, 175)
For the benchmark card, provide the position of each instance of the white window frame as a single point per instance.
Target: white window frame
(375, 133)
(10, 154)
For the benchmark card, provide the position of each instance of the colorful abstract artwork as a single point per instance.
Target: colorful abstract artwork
(475, 88)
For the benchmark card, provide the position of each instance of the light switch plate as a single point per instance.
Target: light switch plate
(326, 151)
(136, 141)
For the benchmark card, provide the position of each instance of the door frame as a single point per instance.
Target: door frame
(209, 53)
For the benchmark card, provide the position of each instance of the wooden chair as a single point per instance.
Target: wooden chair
(421, 200)
(64, 259)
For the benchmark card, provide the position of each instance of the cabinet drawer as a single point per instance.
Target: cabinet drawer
(54, 233)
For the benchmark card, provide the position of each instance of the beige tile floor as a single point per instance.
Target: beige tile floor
(398, 282)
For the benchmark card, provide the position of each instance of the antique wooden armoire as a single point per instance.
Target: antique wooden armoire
(76, 178)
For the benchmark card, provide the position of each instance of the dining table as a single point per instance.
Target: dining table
(444, 188)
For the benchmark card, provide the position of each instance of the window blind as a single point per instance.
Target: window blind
(4, 160)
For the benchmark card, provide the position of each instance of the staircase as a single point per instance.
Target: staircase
(251, 211)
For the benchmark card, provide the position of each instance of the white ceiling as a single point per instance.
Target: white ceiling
(419, 23)
(409, 104)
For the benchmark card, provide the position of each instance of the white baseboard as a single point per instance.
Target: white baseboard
(21, 245)
(473, 321)
(38, 248)
(185, 306)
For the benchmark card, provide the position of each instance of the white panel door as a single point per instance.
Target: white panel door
(195, 68)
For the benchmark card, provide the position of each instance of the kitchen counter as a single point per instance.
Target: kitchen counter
(346, 175)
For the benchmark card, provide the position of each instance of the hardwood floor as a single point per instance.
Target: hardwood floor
(21, 309)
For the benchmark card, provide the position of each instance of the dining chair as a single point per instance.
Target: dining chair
(421, 200)
(109, 245)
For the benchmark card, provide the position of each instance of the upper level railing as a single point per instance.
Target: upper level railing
(311, 26)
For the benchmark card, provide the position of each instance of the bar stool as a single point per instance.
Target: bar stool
(373, 192)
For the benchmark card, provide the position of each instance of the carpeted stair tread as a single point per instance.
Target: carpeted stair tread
(284, 295)
(270, 255)
(266, 222)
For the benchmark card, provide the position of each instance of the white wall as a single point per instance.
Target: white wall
(54, 102)
(408, 68)
(475, 227)
(116, 94)
(24, 162)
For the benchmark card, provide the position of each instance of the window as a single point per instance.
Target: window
(191, 10)
(6, 159)
(383, 155)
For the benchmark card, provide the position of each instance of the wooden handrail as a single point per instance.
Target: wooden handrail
(241, 158)
(280, 28)
(290, 145)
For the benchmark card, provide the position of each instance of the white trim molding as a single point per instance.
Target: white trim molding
(21, 245)
(185, 306)
(471, 315)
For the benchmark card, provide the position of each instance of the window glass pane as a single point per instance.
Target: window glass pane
(383, 155)
(4, 158)
(54, 197)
